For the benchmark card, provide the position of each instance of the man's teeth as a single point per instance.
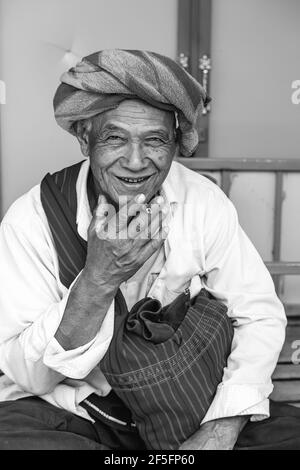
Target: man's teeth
(134, 180)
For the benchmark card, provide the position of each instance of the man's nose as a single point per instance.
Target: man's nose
(135, 159)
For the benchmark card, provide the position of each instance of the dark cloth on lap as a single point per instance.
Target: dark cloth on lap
(33, 424)
(169, 385)
(152, 322)
(279, 432)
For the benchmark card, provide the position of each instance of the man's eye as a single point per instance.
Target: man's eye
(155, 141)
(114, 138)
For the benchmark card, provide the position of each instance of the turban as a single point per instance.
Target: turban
(102, 80)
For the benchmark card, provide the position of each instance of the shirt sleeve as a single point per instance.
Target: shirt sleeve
(31, 308)
(236, 275)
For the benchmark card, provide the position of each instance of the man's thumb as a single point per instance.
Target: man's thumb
(102, 209)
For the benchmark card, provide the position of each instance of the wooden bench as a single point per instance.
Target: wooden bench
(286, 378)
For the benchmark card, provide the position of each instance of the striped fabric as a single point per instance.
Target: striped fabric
(59, 200)
(169, 386)
(166, 382)
(155, 323)
(103, 79)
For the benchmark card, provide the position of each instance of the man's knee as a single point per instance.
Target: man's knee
(31, 423)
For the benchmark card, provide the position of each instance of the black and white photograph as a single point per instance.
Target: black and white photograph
(149, 227)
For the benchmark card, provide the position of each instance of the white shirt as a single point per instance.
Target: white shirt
(205, 247)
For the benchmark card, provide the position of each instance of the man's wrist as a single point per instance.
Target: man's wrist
(235, 422)
(219, 434)
(94, 282)
(85, 311)
(226, 430)
(96, 288)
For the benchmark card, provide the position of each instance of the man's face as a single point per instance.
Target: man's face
(131, 149)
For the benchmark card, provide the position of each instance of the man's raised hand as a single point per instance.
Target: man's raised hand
(120, 243)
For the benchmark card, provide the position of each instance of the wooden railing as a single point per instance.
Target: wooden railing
(226, 167)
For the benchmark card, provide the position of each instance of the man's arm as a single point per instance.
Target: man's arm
(33, 309)
(88, 303)
(30, 302)
(220, 434)
(32, 305)
(112, 258)
(236, 275)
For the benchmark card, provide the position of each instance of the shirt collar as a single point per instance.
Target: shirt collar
(84, 214)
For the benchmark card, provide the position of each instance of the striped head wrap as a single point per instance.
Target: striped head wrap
(102, 80)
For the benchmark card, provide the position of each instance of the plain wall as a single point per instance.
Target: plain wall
(255, 58)
(34, 38)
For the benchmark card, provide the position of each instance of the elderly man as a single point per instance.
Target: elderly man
(132, 113)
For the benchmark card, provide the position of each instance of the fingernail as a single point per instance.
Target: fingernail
(140, 198)
(100, 214)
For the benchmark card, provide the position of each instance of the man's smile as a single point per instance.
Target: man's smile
(130, 181)
(131, 149)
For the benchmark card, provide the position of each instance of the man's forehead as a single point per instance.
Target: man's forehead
(135, 111)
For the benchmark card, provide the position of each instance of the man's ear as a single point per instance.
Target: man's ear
(83, 129)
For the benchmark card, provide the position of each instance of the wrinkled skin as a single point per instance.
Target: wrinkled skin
(134, 140)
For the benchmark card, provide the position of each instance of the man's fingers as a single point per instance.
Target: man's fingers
(102, 206)
(103, 212)
(129, 209)
(153, 244)
(147, 224)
